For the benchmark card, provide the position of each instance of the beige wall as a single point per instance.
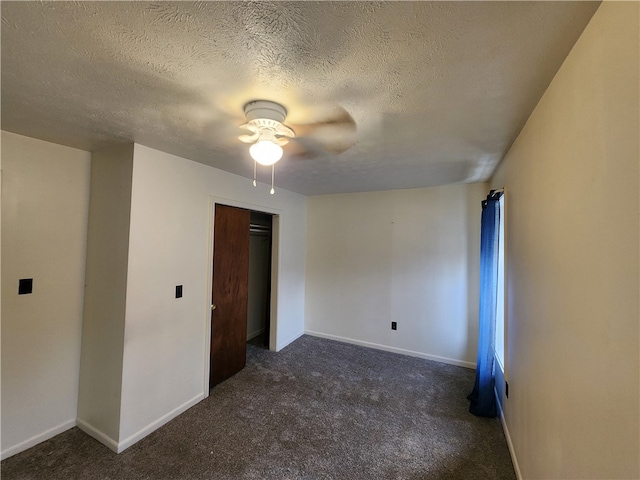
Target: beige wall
(45, 201)
(573, 263)
(409, 256)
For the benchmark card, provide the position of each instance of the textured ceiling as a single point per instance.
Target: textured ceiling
(439, 90)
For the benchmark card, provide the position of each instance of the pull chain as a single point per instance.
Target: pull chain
(273, 169)
(255, 164)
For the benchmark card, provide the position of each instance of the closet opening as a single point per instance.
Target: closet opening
(259, 303)
(241, 288)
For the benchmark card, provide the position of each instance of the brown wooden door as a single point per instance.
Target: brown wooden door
(230, 292)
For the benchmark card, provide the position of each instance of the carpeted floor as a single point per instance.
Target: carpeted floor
(318, 409)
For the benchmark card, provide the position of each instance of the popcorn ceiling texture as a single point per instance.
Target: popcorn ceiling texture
(439, 90)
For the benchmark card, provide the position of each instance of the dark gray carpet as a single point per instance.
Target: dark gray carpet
(319, 409)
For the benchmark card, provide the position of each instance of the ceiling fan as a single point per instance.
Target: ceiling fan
(268, 134)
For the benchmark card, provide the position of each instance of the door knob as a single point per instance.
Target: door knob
(213, 306)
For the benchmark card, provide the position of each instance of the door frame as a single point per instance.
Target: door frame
(275, 269)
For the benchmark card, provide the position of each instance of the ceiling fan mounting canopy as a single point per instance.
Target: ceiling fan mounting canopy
(264, 109)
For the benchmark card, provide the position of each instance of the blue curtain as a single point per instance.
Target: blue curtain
(483, 400)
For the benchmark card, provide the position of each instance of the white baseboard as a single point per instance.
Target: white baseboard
(98, 434)
(281, 345)
(143, 432)
(36, 439)
(119, 447)
(512, 451)
(402, 351)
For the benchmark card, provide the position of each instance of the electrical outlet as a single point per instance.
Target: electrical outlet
(394, 325)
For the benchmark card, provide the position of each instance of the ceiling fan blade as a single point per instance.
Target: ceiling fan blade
(338, 118)
(281, 140)
(340, 145)
(302, 148)
(335, 134)
(249, 138)
(332, 139)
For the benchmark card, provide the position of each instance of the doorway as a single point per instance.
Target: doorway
(241, 288)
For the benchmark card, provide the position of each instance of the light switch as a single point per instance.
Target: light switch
(25, 286)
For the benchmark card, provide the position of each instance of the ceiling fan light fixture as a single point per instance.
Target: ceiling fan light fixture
(268, 134)
(265, 152)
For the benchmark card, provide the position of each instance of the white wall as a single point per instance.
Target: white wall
(105, 294)
(45, 201)
(143, 351)
(410, 256)
(573, 265)
(166, 339)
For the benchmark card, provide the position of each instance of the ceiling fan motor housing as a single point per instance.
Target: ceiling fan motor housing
(265, 119)
(264, 109)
